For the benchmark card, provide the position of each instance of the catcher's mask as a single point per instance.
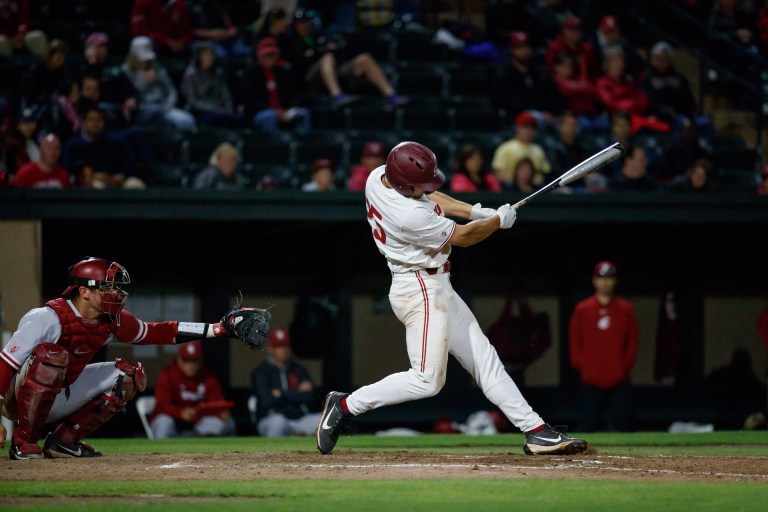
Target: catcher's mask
(104, 275)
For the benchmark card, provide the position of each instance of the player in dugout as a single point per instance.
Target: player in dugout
(45, 375)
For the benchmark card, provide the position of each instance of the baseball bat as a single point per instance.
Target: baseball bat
(593, 163)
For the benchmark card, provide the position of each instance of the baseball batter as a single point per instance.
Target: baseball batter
(45, 375)
(408, 219)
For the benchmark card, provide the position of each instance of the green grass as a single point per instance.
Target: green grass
(527, 494)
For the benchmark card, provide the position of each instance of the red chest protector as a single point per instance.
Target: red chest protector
(80, 336)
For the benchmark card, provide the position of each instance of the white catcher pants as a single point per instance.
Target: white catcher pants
(438, 322)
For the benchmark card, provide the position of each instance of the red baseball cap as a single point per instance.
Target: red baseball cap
(605, 269)
(525, 118)
(192, 351)
(280, 338)
(572, 23)
(322, 163)
(267, 46)
(518, 38)
(609, 23)
(374, 148)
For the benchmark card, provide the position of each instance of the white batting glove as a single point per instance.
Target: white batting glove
(508, 215)
(480, 213)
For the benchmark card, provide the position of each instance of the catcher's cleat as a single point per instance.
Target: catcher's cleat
(552, 441)
(332, 422)
(55, 449)
(25, 451)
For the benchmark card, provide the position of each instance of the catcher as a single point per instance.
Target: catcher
(44, 372)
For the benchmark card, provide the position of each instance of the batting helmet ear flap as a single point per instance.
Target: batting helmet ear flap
(411, 165)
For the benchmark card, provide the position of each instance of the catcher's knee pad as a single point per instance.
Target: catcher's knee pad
(132, 379)
(44, 380)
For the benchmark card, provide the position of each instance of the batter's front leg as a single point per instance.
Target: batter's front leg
(471, 348)
(419, 302)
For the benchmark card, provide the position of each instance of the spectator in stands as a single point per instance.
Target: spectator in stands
(221, 172)
(323, 64)
(739, 51)
(321, 177)
(95, 53)
(571, 41)
(49, 74)
(157, 93)
(762, 187)
(568, 149)
(46, 172)
(621, 128)
(762, 26)
(285, 394)
(183, 393)
(550, 16)
(269, 92)
(668, 90)
(507, 16)
(21, 144)
(524, 174)
(521, 146)
(470, 173)
(634, 173)
(212, 23)
(274, 23)
(609, 35)
(372, 156)
(205, 88)
(99, 158)
(15, 35)
(617, 91)
(699, 177)
(603, 337)
(522, 83)
(580, 94)
(165, 22)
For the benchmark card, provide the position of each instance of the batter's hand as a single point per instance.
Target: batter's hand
(508, 215)
(480, 213)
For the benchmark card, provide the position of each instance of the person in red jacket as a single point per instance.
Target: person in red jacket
(571, 42)
(603, 336)
(617, 91)
(166, 22)
(471, 173)
(46, 172)
(189, 400)
(372, 156)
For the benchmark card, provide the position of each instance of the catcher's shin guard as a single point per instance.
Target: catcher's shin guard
(98, 411)
(44, 380)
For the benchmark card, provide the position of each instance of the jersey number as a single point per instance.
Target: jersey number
(378, 231)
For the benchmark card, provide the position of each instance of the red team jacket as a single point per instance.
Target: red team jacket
(603, 341)
(174, 391)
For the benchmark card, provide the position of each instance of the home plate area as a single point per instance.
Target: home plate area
(354, 465)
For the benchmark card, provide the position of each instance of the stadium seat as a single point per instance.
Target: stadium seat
(379, 44)
(425, 116)
(420, 78)
(144, 406)
(468, 80)
(326, 144)
(372, 115)
(267, 148)
(468, 117)
(258, 173)
(417, 46)
(439, 142)
(327, 117)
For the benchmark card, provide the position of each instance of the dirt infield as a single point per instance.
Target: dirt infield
(386, 466)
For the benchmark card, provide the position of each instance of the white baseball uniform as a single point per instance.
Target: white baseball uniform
(413, 235)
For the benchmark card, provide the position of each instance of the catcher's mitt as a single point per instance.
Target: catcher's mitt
(249, 325)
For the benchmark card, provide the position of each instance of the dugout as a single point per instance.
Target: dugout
(200, 248)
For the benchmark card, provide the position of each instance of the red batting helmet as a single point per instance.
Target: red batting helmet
(104, 275)
(410, 165)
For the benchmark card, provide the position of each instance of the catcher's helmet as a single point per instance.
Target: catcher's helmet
(410, 165)
(104, 275)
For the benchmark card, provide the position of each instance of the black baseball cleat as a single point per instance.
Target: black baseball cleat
(25, 451)
(553, 441)
(332, 422)
(55, 449)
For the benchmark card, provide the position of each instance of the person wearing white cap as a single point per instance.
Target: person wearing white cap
(157, 93)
